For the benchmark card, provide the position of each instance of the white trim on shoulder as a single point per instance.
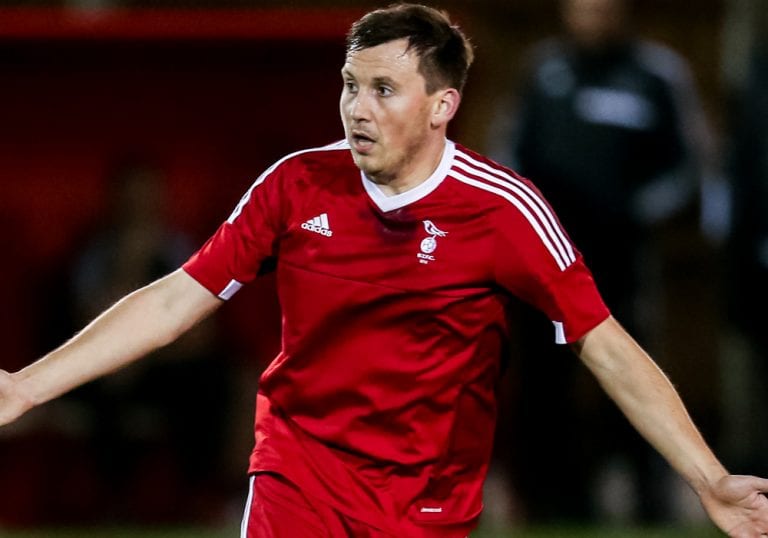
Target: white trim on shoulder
(340, 145)
(390, 203)
(528, 202)
(524, 210)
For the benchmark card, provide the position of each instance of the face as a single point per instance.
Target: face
(393, 126)
(594, 22)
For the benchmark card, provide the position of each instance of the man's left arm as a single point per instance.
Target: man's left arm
(650, 402)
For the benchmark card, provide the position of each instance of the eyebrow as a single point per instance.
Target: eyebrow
(346, 73)
(384, 80)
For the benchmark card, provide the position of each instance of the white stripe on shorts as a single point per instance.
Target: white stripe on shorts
(247, 514)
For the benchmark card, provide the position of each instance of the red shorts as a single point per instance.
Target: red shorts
(277, 508)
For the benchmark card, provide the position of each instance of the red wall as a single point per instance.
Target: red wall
(212, 106)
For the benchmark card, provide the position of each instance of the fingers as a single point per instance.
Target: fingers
(747, 531)
(758, 483)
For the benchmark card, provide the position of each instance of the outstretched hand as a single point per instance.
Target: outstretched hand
(12, 404)
(737, 505)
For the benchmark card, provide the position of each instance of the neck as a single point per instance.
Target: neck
(419, 167)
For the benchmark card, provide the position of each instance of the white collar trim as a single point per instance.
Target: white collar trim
(396, 201)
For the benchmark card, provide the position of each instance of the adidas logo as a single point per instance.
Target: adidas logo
(319, 225)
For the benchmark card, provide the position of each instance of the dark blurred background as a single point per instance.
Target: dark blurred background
(128, 131)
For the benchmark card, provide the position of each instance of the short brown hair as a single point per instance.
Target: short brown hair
(445, 53)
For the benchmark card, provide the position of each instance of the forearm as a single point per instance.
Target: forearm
(141, 322)
(650, 402)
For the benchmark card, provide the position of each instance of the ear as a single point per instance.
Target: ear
(445, 105)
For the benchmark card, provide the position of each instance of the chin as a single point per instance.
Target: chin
(364, 163)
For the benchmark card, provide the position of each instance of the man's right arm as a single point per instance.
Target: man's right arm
(141, 322)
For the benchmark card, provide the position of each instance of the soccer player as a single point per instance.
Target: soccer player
(397, 252)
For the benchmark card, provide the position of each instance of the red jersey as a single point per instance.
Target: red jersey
(382, 398)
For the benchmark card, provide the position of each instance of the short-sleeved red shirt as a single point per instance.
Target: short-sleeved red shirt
(382, 397)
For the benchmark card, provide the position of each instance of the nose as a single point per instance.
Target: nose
(360, 107)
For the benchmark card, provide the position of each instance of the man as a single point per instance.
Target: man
(609, 126)
(611, 123)
(397, 251)
(747, 257)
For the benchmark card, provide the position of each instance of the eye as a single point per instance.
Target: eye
(384, 91)
(350, 86)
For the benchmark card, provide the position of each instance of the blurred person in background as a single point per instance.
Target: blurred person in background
(747, 278)
(397, 252)
(151, 463)
(610, 128)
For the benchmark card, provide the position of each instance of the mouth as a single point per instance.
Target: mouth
(361, 142)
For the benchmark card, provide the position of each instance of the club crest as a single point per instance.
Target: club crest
(429, 244)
